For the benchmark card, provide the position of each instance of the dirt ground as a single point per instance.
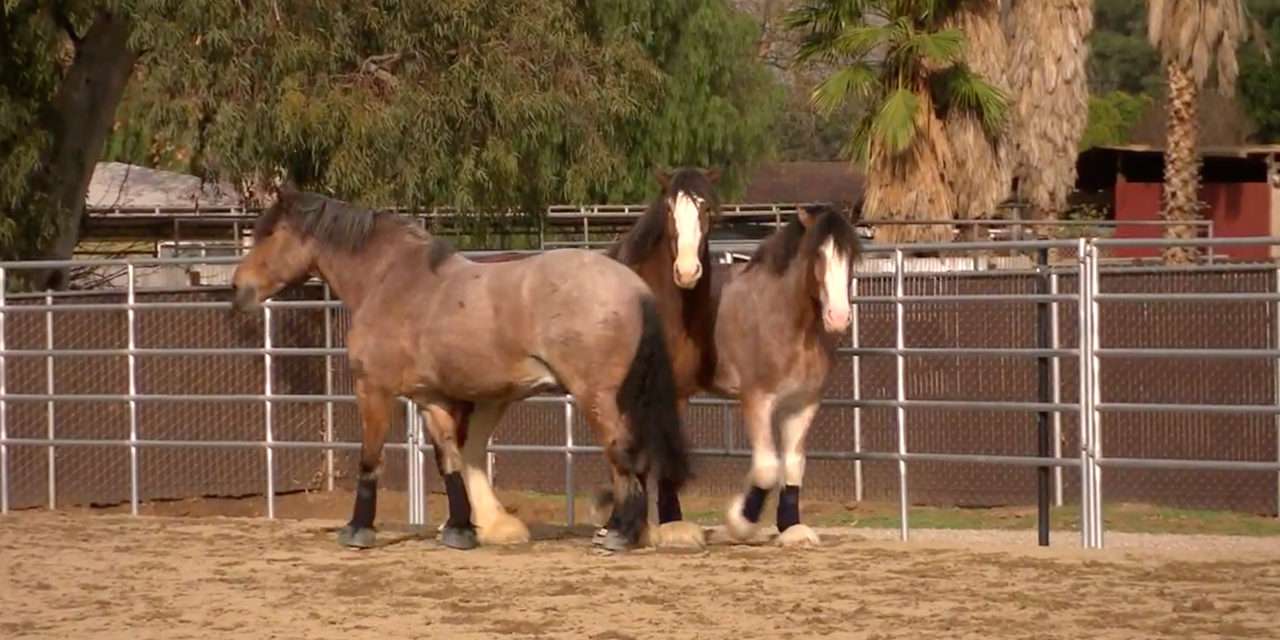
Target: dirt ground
(76, 574)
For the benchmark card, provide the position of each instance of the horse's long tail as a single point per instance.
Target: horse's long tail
(647, 398)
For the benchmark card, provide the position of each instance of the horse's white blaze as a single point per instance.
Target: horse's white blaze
(688, 238)
(835, 287)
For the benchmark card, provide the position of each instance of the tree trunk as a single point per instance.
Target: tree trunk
(79, 121)
(1181, 164)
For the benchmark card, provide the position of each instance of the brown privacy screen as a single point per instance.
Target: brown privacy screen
(101, 474)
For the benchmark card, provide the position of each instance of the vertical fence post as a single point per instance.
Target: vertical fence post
(1095, 377)
(328, 390)
(1275, 365)
(568, 461)
(133, 390)
(413, 463)
(1044, 448)
(899, 288)
(4, 403)
(1055, 384)
(856, 370)
(1085, 389)
(489, 460)
(49, 406)
(268, 435)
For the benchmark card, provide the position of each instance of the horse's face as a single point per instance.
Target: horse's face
(691, 201)
(831, 264)
(278, 259)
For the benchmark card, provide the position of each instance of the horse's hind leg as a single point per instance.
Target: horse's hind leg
(493, 524)
(443, 422)
(375, 414)
(743, 517)
(794, 427)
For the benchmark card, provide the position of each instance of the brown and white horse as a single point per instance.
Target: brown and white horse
(464, 340)
(779, 320)
(668, 248)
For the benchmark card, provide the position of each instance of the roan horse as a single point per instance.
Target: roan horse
(668, 248)
(779, 319)
(464, 340)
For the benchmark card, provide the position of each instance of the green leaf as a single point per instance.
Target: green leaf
(858, 80)
(894, 125)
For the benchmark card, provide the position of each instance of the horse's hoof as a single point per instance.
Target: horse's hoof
(505, 529)
(600, 535)
(737, 525)
(614, 541)
(681, 535)
(798, 535)
(362, 538)
(459, 538)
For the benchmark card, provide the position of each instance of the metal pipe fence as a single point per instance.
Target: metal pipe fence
(1089, 408)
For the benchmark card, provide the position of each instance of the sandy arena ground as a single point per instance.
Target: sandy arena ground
(82, 575)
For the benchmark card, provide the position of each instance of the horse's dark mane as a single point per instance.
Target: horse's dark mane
(638, 243)
(777, 252)
(339, 224)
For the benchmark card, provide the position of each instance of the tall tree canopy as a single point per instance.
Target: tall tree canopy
(476, 103)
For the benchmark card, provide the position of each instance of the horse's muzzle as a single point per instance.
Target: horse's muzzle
(245, 299)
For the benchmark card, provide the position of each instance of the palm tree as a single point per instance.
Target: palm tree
(1051, 110)
(908, 64)
(987, 176)
(1190, 36)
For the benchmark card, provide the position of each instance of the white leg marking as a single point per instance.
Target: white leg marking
(794, 429)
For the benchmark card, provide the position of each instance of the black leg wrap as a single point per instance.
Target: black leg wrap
(459, 503)
(366, 501)
(754, 503)
(668, 503)
(788, 507)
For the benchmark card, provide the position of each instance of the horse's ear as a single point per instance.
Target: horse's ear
(713, 175)
(805, 216)
(664, 178)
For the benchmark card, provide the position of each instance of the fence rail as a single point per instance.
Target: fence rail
(888, 378)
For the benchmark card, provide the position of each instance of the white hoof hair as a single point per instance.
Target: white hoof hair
(681, 535)
(736, 524)
(503, 530)
(798, 535)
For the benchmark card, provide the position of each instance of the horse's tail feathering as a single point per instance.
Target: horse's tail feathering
(647, 398)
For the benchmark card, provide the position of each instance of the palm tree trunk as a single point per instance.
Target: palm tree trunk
(1181, 163)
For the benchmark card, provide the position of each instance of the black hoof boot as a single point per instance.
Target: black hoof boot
(357, 537)
(459, 538)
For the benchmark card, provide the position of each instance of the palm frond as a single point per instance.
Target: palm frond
(960, 88)
(858, 79)
(894, 125)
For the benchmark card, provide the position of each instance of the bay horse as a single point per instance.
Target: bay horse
(667, 247)
(464, 340)
(779, 319)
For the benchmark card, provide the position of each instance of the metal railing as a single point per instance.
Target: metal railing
(1090, 406)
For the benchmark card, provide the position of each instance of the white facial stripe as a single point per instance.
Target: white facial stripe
(688, 231)
(835, 282)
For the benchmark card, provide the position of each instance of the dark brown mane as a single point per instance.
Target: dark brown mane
(339, 224)
(640, 241)
(777, 252)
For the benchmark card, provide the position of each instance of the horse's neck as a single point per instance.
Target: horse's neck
(793, 286)
(352, 275)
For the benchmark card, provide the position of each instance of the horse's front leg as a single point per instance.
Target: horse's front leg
(494, 524)
(375, 415)
(794, 428)
(443, 422)
(743, 518)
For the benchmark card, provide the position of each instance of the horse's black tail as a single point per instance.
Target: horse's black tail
(647, 398)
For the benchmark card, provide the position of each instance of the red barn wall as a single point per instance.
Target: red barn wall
(1238, 209)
